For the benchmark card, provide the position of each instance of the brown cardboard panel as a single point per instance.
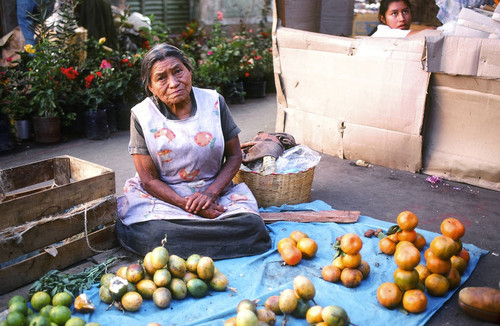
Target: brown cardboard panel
(318, 132)
(462, 134)
(467, 56)
(371, 82)
(382, 147)
(330, 82)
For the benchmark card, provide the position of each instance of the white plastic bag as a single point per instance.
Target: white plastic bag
(296, 159)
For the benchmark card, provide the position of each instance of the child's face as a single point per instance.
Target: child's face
(398, 15)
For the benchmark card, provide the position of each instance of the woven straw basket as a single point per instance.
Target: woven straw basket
(278, 189)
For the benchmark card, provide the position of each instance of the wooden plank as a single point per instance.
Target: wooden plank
(311, 216)
(73, 252)
(62, 171)
(42, 235)
(27, 175)
(81, 169)
(29, 208)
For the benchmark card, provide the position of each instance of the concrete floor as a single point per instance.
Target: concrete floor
(375, 191)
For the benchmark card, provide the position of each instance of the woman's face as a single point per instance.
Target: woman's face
(397, 16)
(171, 81)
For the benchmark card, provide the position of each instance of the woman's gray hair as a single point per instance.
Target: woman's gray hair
(157, 53)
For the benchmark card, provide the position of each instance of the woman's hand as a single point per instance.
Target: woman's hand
(200, 200)
(212, 211)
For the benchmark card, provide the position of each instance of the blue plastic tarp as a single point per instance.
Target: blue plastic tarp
(261, 276)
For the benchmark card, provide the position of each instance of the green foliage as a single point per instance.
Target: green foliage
(55, 281)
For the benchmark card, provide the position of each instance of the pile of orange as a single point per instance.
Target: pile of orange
(348, 267)
(404, 231)
(404, 244)
(297, 246)
(446, 260)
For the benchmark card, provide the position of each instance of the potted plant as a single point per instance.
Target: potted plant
(218, 66)
(255, 64)
(14, 102)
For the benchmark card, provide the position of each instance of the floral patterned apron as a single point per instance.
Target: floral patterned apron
(188, 154)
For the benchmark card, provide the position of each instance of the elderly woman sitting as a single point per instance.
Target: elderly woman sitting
(185, 147)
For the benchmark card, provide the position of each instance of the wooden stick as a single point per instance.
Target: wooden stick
(311, 216)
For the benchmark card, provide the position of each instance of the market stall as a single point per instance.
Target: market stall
(259, 277)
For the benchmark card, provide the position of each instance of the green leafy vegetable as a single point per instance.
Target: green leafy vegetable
(55, 281)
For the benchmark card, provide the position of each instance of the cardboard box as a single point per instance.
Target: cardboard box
(370, 99)
(477, 23)
(48, 215)
(337, 17)
(364, 24)
(358, 98)
(461, 133)
(303, 15)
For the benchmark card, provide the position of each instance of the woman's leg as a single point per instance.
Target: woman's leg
(236, 236)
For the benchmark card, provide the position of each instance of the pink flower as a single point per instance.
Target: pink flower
(220, 15)
(9, 59)
(210, 52)
(105, 64)
(258, 57)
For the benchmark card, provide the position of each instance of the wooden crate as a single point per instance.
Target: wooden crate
(45, 208)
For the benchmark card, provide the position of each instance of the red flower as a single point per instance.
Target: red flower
(258, 57)
(98, 73)
(145, 45)
(264, 34)
(70, 72)
(247, 74)
(9, 59)
(88, 80)
(125, 60)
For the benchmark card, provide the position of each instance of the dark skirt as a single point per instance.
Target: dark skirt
(235, 236)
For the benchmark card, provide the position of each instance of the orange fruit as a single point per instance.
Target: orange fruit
(291, 255)
(407, 220)
(420, 241)
(337, 262)
(308, 247)
(351, 243)
(389, 295)
(404, 243)
(414, 301)
(387, 246)
(437, 285)
(331, 273)
(465, 255)
(407, 235)
(296, 235)
(423, 272)
(443, 247)
(351, 261)
(406, 280)
(435, 264)
(407, 257)
(458, 263)
(453, 228)
(453, 277)
(458, 245)
(364, 267)
(393, 237)
(351, 277)
(285, 242)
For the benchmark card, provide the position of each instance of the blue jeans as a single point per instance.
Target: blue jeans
(24, 9)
